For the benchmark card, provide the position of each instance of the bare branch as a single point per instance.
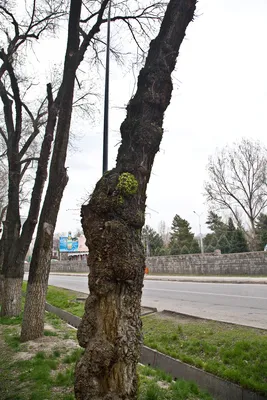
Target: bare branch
(24, 169)
(26, 160)
(2, 133)
(14, 21)
(7, 111)
(239, 175)
(16, 94)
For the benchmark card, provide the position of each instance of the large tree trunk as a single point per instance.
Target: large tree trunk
(40, 264)
(110, 330)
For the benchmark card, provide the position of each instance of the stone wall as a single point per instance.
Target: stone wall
(251, 264)
(208, 264)
(66, 266)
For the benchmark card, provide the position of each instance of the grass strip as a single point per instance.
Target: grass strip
(44, 369)
(64, 299)
(232, 352)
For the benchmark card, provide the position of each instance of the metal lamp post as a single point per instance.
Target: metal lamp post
(106, 102)
(200, 234)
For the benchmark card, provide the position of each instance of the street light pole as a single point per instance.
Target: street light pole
(200, 234)
(106, 102)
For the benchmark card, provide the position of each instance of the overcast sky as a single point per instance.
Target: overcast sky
(220, 96)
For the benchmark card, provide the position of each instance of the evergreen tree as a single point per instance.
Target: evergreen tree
(238, 242)
(152, 240)
(210, 249)
(215, 224)
(223, 244)
(230, 230)
(184, 250)
(210, 242)
(181, 236)
(195, 248)
(174, 249)
(261, 231)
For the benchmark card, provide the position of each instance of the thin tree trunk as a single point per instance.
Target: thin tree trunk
(11, 302)
(1, 266)
(110, 330)
(15, 254)
(1, 287)
(40, 264)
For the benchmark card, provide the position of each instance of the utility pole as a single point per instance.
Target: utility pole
(106, 102)
(200, 234)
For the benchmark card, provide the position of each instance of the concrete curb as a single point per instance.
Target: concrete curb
(66, 316)
(173, 278)
(200, 279)
(217, 387)
(220, 388)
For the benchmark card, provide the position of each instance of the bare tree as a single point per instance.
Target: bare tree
(19, 131)
(238, 182)
(83, 33)
(110, 330)
(164, 232)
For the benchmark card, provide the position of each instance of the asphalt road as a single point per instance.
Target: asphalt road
(238, 303)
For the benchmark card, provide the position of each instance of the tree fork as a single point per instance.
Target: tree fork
(110, 330)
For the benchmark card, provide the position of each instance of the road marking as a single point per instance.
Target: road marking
(208, 294)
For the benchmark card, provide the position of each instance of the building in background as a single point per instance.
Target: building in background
(72, 248)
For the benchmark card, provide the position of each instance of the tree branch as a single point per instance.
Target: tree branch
(29, 160)
(24, 169)
(16, 93)
(14, 21)
(7, 111)
(2, 133)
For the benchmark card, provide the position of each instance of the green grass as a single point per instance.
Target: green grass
(73, 357)
(12, 338)
(49, 375)
(10, 320)
(232, 352)
(65, 299)
(62, 298)
(156, 385)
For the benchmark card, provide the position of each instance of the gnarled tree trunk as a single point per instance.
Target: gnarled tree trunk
(110, 330)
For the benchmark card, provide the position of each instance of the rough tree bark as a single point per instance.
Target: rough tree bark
(12, 283)
(33, 318)
(40, 264)
(110, 330)
(18, 140)
(14, 252)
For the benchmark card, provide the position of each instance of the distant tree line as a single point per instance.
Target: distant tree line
(225, 236)
(182, 239)
(237, 187)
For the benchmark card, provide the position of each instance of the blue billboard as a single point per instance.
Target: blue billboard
(68, 244)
